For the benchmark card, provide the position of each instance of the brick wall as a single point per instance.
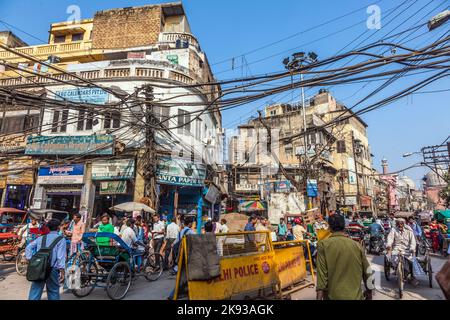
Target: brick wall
(128, 27)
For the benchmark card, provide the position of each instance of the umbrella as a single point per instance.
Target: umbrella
(252, 206)
(132, 206)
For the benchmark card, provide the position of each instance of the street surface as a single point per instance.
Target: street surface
(14, 287)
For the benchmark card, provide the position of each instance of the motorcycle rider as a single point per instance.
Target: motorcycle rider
(416, 230)
(402, 240)
(376, 230)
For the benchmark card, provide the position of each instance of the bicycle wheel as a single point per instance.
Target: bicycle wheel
(387, 269)
(430, 272)
(88, 279)
(118, 281)
(153, 268)
(21, 263)
(400, 276)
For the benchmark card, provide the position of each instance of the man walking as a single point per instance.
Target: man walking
(172, 231)
(75, 232)
(159, 229)
(58, 261)
(341, 266)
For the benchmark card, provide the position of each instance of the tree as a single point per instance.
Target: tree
(445, 192)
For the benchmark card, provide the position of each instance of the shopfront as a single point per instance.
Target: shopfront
(113, 181)
(181, 186)
(63, 186)
(19, 183)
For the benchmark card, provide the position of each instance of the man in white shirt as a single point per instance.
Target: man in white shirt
(128, 235)
(158, 232)
(24, 232)
(298, 230)
(172, 231)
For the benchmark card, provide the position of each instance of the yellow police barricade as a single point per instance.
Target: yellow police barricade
(249, 264)
(291, 266)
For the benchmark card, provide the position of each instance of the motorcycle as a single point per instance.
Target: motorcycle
(376, 244)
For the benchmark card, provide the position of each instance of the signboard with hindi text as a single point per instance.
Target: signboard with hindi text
(10, 143)
(20, 172)
(101, 144)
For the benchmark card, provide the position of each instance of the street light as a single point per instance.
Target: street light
(409, 154)
(439, 20)
(298, 60)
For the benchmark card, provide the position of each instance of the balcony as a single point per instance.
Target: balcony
(43, 51)
(172, 37)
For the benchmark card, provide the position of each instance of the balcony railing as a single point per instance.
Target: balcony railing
(48, 49)
(172, 37)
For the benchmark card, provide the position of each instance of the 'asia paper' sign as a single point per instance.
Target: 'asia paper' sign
(86, 95)
(102, 144)
(180, 172)
(113, 170)
(64, 174)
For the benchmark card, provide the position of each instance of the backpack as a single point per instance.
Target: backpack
(39, 267)
(176, 246)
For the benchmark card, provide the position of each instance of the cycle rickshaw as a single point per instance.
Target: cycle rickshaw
(34, 233)
(112, 267)
(11, 220)
(398, 268)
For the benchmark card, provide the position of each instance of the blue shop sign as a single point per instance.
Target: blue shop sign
(61, 174)
(312, 188)
(85, 95)
(102, 144)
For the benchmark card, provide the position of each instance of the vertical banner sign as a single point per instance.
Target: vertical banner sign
(351, 171)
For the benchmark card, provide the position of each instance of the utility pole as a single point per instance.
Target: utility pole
(358, 204)
(150, 158)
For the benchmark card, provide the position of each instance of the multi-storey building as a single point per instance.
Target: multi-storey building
(99, 62)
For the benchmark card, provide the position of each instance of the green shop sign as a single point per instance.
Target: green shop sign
(113, 187)
(102, 144)
(179, 172)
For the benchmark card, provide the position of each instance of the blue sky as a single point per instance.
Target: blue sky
(232, 28)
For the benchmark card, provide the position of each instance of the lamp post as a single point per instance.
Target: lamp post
(293, 64)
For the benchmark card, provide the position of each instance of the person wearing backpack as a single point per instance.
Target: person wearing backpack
(46, 265)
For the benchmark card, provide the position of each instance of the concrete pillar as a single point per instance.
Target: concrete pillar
(88, 192)
(40, 198)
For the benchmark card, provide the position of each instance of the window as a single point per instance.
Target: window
(161, 113)
(12, 125)
(31, 122)
(59, 122)
(184, 121)
(112, 120)
(289, 151)
(85, 120)
(312, 138)
(60, 39)
(341, 146)
(273, 112)
(198, 128)
(77, 37)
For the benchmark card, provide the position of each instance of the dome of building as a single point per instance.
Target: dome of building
(405, 181)
(433, 180)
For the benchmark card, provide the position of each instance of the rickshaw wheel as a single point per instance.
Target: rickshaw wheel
(400, 279)
(387, 269)
(118, 281)
(153, 270)
(21, 263)
(430, 272)
(88, 282)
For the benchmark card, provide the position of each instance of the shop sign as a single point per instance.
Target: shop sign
(247, 187)
(351, 171)
(282, 186)
(173, 59)
(85, 95)
(102, 144)
(180, 172)
(3, 174)
(20, 172)
(113, 187)
(213, 194)
(136, 55)
(350, 201)
(113, 170)
(312, 189)
(64, 174)
(12, 142)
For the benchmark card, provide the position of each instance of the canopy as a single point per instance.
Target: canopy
(132, 206)
(11, 210)
(443, 214)
(49, 214)
(404, 215)
(252, 205)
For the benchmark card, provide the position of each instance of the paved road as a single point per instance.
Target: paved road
(14, 287)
